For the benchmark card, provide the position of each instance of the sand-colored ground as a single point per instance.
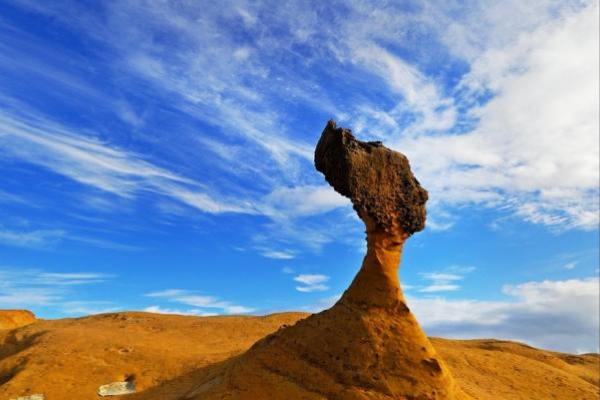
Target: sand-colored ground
(168, 356)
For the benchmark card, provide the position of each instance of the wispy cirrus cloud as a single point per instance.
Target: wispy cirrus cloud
(99, 165)
(548, 189)
(22, 297)
(88, 307)
(193, 299)
(13, 277)
(301, 201)
(277, 254)
(49, 239)
(94, 163)
(570, 266)
(40, 239)
(445, 280)
(322, 304)
(471, 130)
(70, 278)
(36, 288)
(312, 283)
(192, 311)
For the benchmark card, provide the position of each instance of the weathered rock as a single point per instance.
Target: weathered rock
(368, 345)
(377, 180)
(116, 389)
(12, 319)
(31, 397)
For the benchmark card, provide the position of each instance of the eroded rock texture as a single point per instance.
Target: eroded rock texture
(368, 345)
(377, 180)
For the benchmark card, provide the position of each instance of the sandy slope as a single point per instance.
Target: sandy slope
(169, 355)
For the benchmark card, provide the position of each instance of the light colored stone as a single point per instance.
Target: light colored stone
(116, 389)
(31, 397)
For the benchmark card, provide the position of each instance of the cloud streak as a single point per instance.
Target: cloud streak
(446, 280)
(97, 164)
(200, 301)
(311, 283)
(35, 288)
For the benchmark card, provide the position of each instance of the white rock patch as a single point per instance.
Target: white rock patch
(116, 389)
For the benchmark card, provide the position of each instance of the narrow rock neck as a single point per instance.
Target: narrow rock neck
(377, 283)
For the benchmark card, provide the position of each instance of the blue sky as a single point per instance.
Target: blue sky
(158, 156)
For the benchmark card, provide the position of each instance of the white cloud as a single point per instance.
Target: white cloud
(312, 288)
(10, 277)
(207, 74)
(445, 280)
(293, 234)
(558, 315)
(169, 293)
(435, 223)
(310, 279)
(104, 244)
(439, 288)
(25, 297)
(304, 201)
(191, 299)
(48, 239)
(31, 288)
(201, 301)
(312, 283)
(570, 266)
(241, 54)
(70, 278)
(80, 308)
(191, 311)
(277, 254)
(323, 304)
(79, 156)
(39, 239)
(238, 310)
(535, 147)
(13, 198)
(418, 92)
(440, 276)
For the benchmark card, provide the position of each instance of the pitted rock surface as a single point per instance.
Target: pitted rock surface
(377, 180)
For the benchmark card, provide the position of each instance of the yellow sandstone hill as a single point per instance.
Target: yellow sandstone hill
(168, 355)
(10, 319)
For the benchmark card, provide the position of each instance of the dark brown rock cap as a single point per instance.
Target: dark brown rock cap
(377, 180)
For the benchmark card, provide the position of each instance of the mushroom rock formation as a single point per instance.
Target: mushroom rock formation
(368, 345)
